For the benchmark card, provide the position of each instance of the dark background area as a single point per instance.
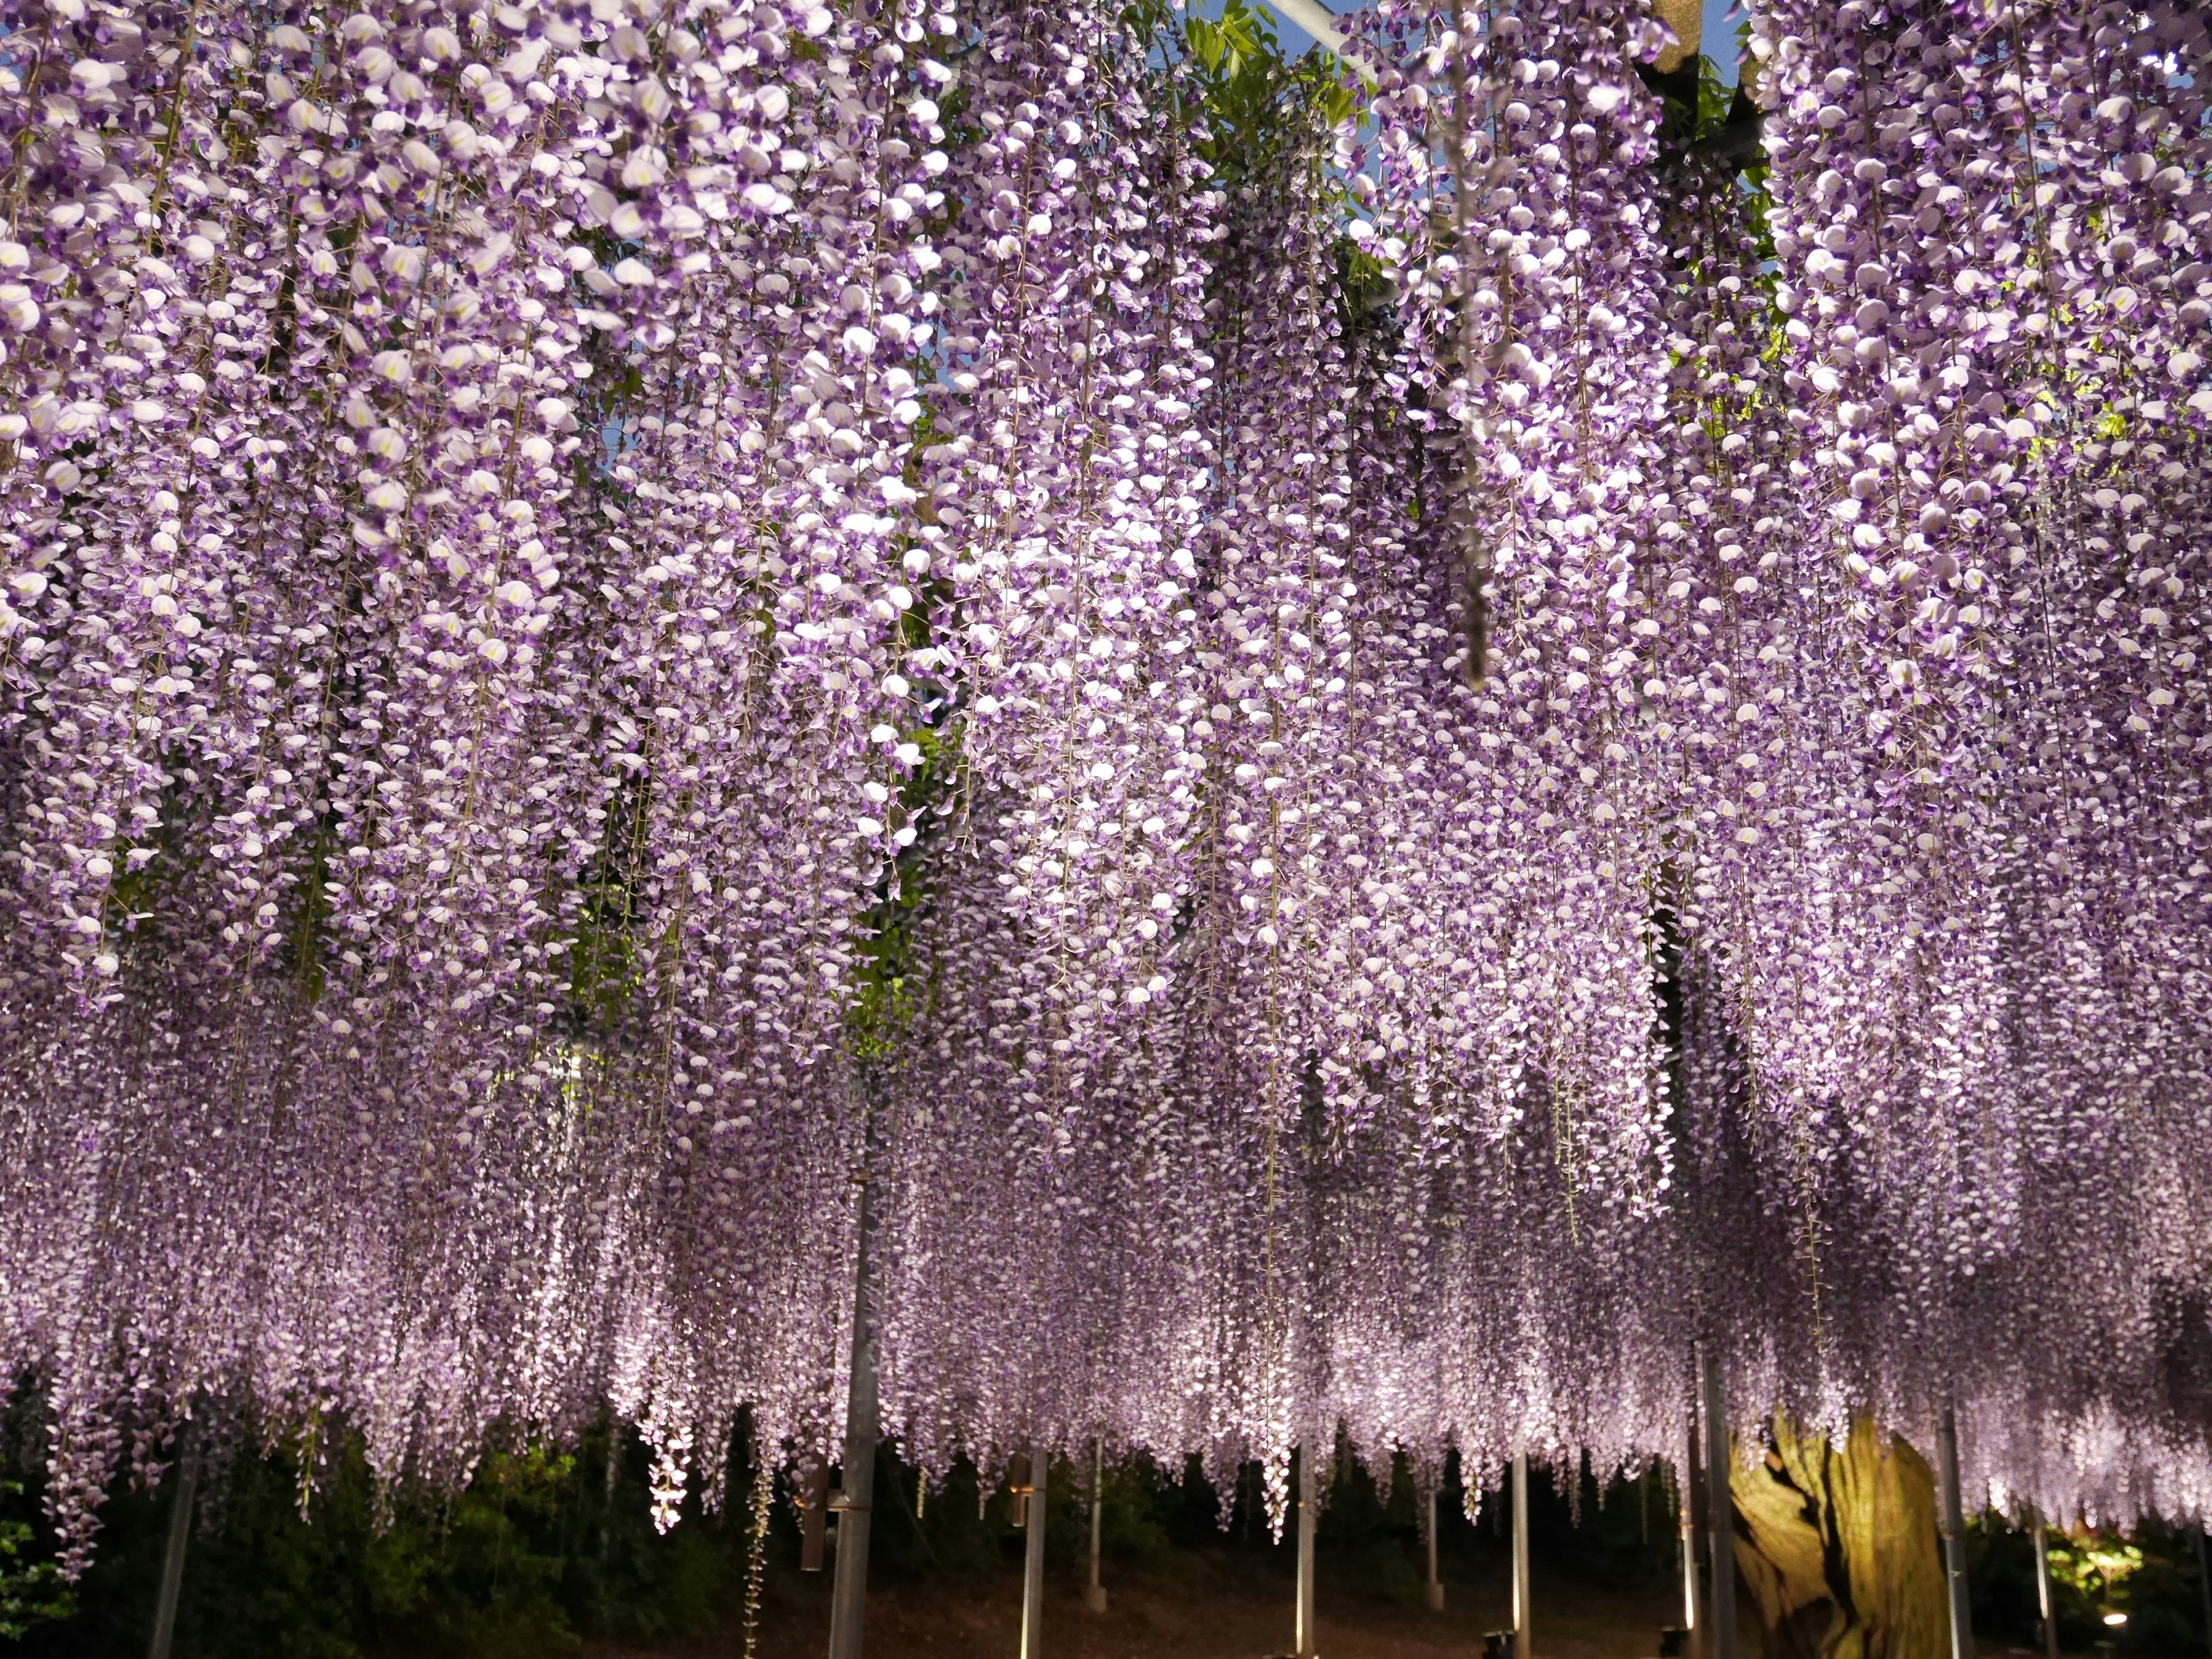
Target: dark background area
(548, 1551)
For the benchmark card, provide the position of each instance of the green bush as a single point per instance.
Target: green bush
(541, 1550)
(31, 1588)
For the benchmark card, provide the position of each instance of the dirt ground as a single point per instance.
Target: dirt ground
(1216, 1606)
(1210, 1606)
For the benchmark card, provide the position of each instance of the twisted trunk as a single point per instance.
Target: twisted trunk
(1837, 1545)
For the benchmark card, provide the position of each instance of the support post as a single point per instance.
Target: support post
(848, 1602)
(1094, 1592)
(1033, 1557)
(1523, 1640)
(1954, 1535)
(1720, 1511)
(1306, 1518)
(1693, 1535)
(2043, 1586)
(814, 1508)
(2204, 1588)
(181, 1538)
(1436, 1584)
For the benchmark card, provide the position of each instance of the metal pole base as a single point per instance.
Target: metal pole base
(1307, 1516)
(181, 1538)
(1033, 1557)
(1429, 1518)
(1953, 1524)
(1720, 1512)
(1523, 1640)
(1094, 1597)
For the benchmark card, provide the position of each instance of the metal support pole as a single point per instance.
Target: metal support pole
(813, 1508)
(1306, 1518)
(1692, 1538)
(848, 1602)
(1523, 1641)
(2204, 1588)
(1094, 1592)
(1033, 1557)
(2043, 1587)
(1954, 1535)
(1436, 1584)
(181, 1538)
(1720, 1511)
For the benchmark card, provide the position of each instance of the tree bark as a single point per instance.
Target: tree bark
(1838, 1545)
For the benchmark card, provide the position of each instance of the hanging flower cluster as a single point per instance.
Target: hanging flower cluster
(1374, 756)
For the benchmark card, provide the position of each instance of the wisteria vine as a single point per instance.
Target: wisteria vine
(1375, 742)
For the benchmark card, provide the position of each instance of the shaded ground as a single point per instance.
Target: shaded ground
(1217, 1605)
(1210, 1605)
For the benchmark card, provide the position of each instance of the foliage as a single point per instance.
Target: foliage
(2093, 1567)
(1254, 102)
(32, 1589)
(539, 1552)
(2148, 1573)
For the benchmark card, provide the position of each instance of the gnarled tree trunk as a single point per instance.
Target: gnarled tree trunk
(1838, 1546)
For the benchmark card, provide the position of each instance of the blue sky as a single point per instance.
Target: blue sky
(1720, 26)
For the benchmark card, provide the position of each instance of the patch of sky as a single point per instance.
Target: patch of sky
(1724, 21)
